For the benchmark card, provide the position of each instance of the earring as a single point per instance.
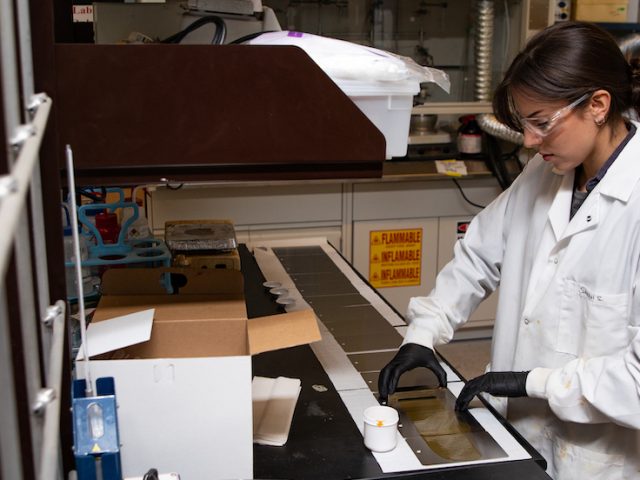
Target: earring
(599, 122)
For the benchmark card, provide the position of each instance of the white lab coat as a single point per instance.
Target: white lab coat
(568, 311)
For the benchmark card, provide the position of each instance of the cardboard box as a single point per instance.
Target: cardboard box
(601, 10)
(184, 396)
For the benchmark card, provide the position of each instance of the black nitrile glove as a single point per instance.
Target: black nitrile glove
(500, 384)
(410, 356)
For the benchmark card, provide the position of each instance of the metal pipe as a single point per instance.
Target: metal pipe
(78, 270)
(14, 187)
(483, 50)
(10, 82)
(11, 464)
(49, 465)
(37, 218)
(483, 56)
(28, 326)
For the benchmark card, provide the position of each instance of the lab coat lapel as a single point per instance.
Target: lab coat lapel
(588, 216)
(561, 206)
(558, 219)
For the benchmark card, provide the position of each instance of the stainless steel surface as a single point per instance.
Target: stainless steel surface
(336, 278)
(325, 289)
(300, 251)
(299, 260)
(336, 301)
(328, 291)
(358, 327)
(422, 123)
(365, 314)
(363, 342)
(309, 264)
(371, 362)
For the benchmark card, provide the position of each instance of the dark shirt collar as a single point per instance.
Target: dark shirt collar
(593, 181)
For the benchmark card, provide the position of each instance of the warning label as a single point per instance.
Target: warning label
(461, 229)
(395, 257)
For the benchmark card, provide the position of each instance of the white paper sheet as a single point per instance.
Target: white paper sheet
(274, 401)
(118, 332)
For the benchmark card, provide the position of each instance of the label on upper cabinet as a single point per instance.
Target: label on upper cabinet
(82, 13)
(395, 257)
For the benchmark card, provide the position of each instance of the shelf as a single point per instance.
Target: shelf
(426, 170)
(453, 108)
(430, 138)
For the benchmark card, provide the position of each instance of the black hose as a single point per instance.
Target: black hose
(466, 199)
(495, 162)
(246, 38)
(218, 37)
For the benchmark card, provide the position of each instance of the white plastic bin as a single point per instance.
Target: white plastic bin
(380, 83)
(388, 106)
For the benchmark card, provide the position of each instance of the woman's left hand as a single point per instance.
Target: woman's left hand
(500, 384)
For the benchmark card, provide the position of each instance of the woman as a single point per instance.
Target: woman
(563, 243)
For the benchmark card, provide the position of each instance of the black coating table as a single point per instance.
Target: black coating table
(324, 442)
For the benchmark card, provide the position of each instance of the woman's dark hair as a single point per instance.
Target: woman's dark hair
(563, 62)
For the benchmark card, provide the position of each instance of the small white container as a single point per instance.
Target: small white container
(285, 301)
(270, 285)
(279, 291)
(388, 106)
(380, 428)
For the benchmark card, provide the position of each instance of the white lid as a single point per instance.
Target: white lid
(354, 88)
(380, 416)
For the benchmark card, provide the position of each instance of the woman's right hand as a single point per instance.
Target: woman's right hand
(410, 356)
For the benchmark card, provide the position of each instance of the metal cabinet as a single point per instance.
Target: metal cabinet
(434, 208)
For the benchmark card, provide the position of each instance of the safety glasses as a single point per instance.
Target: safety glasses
(542, 126)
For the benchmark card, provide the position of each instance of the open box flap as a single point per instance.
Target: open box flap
(153, 281)
(118, 332)
(282, 331)
(174, 307)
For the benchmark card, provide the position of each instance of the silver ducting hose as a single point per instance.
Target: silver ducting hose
(483, 50)
(483, 55)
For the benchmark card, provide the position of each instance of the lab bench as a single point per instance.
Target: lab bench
(324, 442)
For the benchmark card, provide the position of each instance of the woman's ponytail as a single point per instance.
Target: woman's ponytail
(634, 65)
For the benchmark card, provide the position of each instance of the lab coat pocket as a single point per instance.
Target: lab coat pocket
(592, 324)
(607, 325)
(575, 462)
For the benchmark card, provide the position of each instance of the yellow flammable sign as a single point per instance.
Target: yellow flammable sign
(395, 257)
